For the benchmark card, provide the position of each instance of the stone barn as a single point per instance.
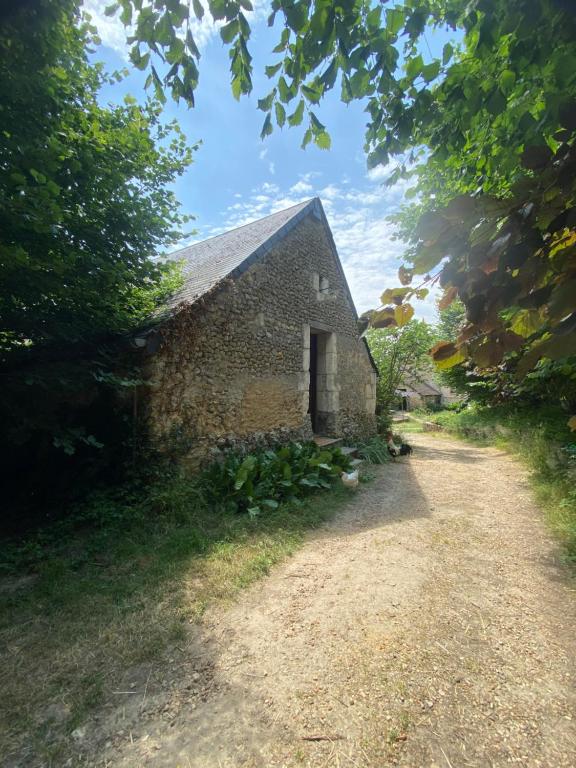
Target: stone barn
(261, 343)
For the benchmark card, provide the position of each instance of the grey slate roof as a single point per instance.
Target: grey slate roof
(207, 263)
(417, 383)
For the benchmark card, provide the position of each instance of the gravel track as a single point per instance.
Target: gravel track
(430, 624)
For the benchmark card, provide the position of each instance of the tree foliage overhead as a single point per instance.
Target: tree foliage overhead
(84, 191)
(493, 115)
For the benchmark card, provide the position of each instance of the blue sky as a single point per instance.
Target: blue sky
(237, 178)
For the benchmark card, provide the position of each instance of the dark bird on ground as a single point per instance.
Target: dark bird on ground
(397, 450)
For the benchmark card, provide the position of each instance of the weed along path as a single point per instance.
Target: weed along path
(430, 624)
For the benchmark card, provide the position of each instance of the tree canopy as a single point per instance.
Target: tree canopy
(84, 191)
(85, 204)
(397, 352)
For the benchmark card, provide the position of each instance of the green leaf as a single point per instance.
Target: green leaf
(316, 125)
(447, 53)
(308, 136)
(229, 31)
(37, 176)
(284, 38)
(198, 9)
(328, 78)
(126, 14)
(526, 322)
(414, 66)
(507, 80)
(267, 126)
(431, 71)
(270, 503)
(285, 93)
(280, 114)
(265, 104)
(496, 104)
(296, 117)
(373, 18)
(322, 140)
(359, 83)
(140, 62)
(164, 31)
(297, 15)
(394, 20)
(312, 93)
(272, 70)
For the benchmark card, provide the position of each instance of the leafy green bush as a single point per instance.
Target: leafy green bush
(383, 422)
(259, 481)
(374, 451)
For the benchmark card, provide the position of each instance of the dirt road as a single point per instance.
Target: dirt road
(429, 625)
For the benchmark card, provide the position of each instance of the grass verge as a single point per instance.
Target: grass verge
(79, 612)
(541, 438)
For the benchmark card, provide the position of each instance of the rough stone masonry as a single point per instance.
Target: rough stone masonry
(234, 364)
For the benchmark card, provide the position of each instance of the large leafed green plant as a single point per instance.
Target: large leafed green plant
(258, 482)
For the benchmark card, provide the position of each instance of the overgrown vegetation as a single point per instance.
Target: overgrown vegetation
(99, 598)
(85, 204)
(399, 352)
(374, 451)
(541, 438)
(260, 481)
(238, 482)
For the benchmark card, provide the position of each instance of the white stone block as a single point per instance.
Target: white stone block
(331, 362)
(306, 336)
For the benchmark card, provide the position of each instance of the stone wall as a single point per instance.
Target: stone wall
(234, 367)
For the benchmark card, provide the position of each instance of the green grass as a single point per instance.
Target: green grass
(407, 427)
(374, 451)
(80, 608)
(538, 435)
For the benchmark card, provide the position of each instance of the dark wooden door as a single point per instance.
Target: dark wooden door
(313, 398)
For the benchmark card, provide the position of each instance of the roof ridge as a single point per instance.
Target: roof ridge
(304, 203)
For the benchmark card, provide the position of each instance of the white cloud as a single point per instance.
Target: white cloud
(379, 173)
(272, 168)
(301, 188)
(111, 30)
(262, 154)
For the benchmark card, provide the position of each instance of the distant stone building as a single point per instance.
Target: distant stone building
(261, 344)
(418, 389)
